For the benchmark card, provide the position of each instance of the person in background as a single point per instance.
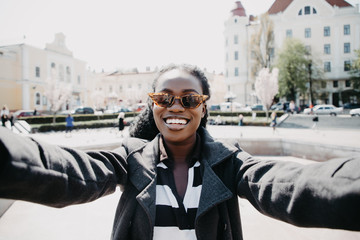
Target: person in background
(292, 107)
(273, 121)
(121, 117)
(4, 115)
(177, 181)
(69, 124)
(241, 119)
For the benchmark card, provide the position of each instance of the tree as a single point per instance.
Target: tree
(266, 87)
(293, 63)
(57, 93)
(355, 71)
(262, 44)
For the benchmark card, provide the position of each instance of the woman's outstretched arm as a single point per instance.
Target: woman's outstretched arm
(56, 176)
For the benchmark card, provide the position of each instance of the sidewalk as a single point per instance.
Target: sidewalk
(93, 221)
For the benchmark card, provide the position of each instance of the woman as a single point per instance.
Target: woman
(121, 123)
(177, 181)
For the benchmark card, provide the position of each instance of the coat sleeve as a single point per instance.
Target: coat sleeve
(56, 176)
(316, 195)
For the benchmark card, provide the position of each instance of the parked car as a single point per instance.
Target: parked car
(214, 107)
(355, 112)
(84, 110)
(351, 105)
(324, 109)
(257, 107)
(25, 113)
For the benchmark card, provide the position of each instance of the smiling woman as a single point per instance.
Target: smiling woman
(179, 182)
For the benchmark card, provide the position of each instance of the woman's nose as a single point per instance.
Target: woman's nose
(177, 106)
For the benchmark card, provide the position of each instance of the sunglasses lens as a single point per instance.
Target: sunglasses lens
(191, 101)
(163, 100)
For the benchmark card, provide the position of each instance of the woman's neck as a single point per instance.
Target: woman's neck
(181, 151)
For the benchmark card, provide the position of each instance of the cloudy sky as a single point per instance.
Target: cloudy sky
(110, 34)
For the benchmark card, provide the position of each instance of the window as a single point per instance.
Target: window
(307, 32)
(68, 74)
(327, 31)
(346, 47)
(37, 71)
(300, 12)
(235, 20)
(226, 42)
(78, 79)
(227, 57)
(327, 67)
(347, 66)
(53, 65)
(307, 10)
(120, 88)
(327, 49)
(236, 55)
(323, 84)
(347, 29)
(44, 100)
(236, 73)
(37, 99)
(347, 83)
(236, 39)
(335, 84)
(61, 72)
(308, 49)
(289, 33)
(139, 86)
(314, 11)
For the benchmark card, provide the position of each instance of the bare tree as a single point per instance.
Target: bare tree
(266, 87)
(262, 44)
(57, 93)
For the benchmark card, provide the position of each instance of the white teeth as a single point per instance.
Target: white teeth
(175, 121)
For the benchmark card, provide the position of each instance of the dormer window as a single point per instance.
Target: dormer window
(307, 11)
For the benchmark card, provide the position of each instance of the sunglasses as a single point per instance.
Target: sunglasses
(187, 101)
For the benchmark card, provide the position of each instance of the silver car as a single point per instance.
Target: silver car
(324, 109)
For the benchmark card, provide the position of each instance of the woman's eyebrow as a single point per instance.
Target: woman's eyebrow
(190, 90)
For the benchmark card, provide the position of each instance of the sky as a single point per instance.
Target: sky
(121, 34)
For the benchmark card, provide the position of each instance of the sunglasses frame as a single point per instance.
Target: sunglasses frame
(203, 99)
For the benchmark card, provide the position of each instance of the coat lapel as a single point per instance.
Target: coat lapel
(142, 173)
(213, 189)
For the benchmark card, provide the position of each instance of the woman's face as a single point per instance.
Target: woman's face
(176, 123)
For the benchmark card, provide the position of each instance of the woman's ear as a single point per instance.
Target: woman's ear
(203, 110)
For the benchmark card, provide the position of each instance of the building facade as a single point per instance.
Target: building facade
(26, 72)
(329, 29)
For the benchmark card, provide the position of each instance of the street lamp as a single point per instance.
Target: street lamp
(310, 83)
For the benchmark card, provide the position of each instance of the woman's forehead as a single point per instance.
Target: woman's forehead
(178, 79)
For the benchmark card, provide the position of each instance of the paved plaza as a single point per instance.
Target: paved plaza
(93, 221)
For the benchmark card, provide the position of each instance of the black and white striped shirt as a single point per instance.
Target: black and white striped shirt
(175, 217)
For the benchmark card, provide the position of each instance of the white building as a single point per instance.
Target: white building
(330, 29)
(25, 73)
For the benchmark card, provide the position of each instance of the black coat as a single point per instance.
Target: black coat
(315, 195)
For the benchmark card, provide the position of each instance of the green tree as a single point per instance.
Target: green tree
(262, 44)
(355, 71)
(293, 63)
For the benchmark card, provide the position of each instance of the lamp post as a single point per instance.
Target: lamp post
(310, 83)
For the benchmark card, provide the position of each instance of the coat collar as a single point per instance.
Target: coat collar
(142, 163)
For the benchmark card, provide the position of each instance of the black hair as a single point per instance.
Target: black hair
(144, 124)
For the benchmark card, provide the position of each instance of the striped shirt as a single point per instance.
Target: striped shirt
(175, 217)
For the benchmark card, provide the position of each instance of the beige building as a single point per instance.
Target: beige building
(26, 73)
(330, 29)
(130, 88)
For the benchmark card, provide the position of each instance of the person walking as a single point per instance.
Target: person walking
(4, 115)
(121, 120)
(177, 181)
(273, 122)
(69, 125)
(241, 119)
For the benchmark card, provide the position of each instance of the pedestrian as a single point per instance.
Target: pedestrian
(121, 117)
(176, 180)
(35, 112)
(241, 118)
(292, 106)
(69, 124)
(218, 120)
(4, 115)
(273, 121)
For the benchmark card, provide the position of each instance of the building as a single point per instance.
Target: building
(129, 88)
(27, 72)
(330, 30)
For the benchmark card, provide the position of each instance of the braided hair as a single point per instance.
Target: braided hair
(144, 125)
